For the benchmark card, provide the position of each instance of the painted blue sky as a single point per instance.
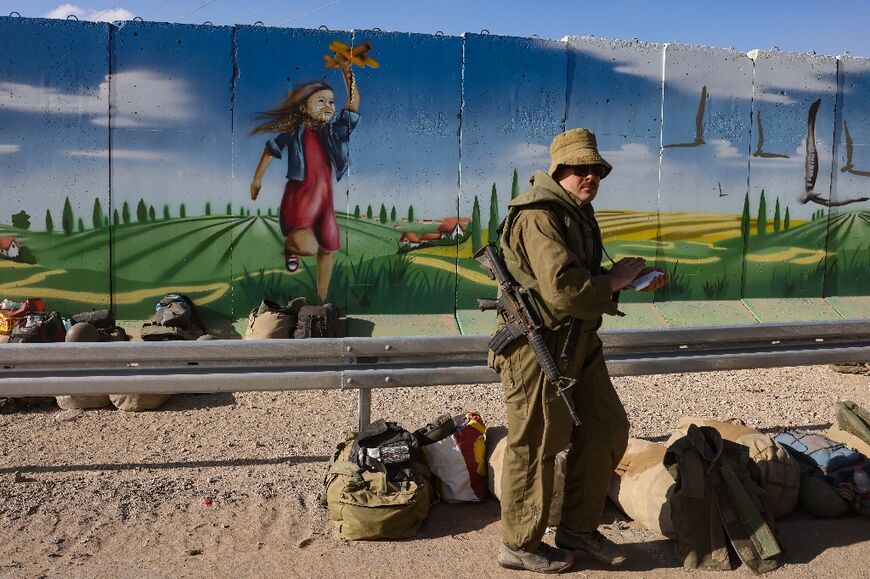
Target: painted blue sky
(792, 25)
(182, 119)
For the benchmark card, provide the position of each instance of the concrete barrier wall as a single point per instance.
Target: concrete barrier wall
(127, 155)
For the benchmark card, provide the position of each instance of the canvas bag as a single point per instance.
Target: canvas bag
(271, 321)
(9, 318)
(177, 311)
(83, 332)
(642, 487)
(458, 461)
(367, 504)
(317, 322)
(39, 328)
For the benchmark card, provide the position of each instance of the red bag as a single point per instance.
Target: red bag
(11, 317)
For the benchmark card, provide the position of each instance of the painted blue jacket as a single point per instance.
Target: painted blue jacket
(335, 136)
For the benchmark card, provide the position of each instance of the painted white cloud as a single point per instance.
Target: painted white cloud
(111, 15)
(121, 154)
(143, 99)
(7, 149)
(723, 149)
(49, 100)
(628, 152)
(643, 60)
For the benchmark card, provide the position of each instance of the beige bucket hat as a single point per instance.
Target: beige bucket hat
(576, 147)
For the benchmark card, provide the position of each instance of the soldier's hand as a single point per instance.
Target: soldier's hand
(657, 282)
(624, 271)
(255, 189)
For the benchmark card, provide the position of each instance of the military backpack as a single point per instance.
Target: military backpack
(375, 487)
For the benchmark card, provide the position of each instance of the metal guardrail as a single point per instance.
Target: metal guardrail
(366, 363)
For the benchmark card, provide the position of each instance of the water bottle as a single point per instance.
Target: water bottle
(862, 487)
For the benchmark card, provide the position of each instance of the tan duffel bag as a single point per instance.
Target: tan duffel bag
(642, 486)
(272, 321)
(83, 332)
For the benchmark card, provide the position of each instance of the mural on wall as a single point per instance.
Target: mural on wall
(54, 162)
(744, 176)
(316, 140)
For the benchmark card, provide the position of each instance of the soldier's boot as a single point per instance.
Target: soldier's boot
(593, 543)
(546, 559)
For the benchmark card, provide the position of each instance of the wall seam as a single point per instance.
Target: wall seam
(459, 179)
(111, 204)
(234, 48)
(839, 80)
(661, 160)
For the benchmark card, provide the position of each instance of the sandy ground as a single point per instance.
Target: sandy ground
(108, 493)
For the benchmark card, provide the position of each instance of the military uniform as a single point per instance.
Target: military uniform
(552, 246)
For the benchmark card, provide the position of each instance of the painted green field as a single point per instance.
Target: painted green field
(227, 264)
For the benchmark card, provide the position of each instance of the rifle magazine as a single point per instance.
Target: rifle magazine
(501, 340)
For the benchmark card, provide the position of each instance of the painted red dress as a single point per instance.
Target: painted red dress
(308, 204)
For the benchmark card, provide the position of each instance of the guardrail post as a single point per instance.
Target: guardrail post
(364, 407)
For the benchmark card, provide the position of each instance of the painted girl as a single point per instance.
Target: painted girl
(317, 148)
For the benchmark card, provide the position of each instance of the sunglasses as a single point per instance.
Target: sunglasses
(583, 170)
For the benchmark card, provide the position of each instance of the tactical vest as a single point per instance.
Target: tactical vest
(718, 500)
(582, 236)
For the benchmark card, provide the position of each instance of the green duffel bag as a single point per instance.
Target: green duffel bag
(369, 506)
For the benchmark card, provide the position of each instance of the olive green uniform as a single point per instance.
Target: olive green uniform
(552, 245)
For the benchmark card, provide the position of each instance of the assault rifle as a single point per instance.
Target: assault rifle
(521, 318)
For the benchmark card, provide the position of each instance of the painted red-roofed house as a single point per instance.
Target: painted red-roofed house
(452, 227)
(9, 246)
(431, 236)
(409, 239)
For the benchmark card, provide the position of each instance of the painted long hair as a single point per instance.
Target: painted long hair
(290, 112)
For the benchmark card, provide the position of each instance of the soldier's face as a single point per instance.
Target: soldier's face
(581, 181)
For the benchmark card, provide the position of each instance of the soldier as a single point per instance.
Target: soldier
(552, 246)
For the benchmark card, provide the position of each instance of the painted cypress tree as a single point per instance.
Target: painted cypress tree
(382, 215)
(269, 212)
(208, 207)
(141, 211)
(67, 219)
(410, 214)
(115, 218)
(97, 217)
(776, 218)
(151, 214)
(229, 208)
(166, 212)
(356, 212)
(476, 242)
(182, 211)
(393, 214)
(369, 212)
(744, 221)
(49, 222)
(81, 225)
(761, 225)
(786, 222)
(241, 211)
(105, 220)
(125, 213)
(258, 211)
(492, 233)
(515, 185)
